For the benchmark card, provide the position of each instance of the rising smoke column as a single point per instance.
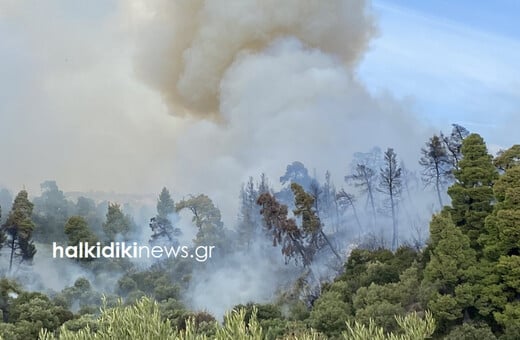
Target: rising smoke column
(261, 83)
(191, 43)
(279, 79)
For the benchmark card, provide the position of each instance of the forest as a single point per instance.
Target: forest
(394, 253)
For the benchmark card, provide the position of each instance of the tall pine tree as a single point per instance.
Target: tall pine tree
(19, 228)
(436, 165)
(116, 222)
(446, 274)
(390, 184)
(165, 204)
(498, 284)
(161, 225)
(472, 193)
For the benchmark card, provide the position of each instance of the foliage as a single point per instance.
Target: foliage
(411, 325)
(86, 208)
(51, 211)
(283, 230)
(472, 193)
(81, 294)
(364, 177)
(161, 225)
(467, 277)
(140, 321)
(469, 331)
(329, 313)
(509, 158)
(30, 312)
(165, 204)
(116, 222)
(447, 273)
(143, 321)
(19, 229)
(78, 232)
(207, 219)
(436, 165)
(249, 222)
(453, 143)
(297, 173)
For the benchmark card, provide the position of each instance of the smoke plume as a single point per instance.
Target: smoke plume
(275, 81)
(262, 83)
(191, 44)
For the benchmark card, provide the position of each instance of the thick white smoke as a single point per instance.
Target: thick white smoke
(191, 43)
(278, 76)
(262, 83)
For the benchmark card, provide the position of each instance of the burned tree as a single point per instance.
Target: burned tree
(346, 200)
(311, 223)
(284, 230)
(436, 165)
(390, 185)
(297, 242)
(248, 214)
(453, 144)
(364, 178)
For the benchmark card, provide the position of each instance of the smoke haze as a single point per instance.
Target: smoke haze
(250, 86)
(196, 96)
(276, 81)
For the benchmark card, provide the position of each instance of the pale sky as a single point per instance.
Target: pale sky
(457, 61)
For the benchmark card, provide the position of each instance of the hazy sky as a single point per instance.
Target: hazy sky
(73, 109)
(454, 59)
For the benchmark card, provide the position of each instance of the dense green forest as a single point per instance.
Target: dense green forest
(345, 263)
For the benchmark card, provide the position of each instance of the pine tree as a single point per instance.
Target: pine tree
(263, 186)
(207, 219)
(311, 224)
(77, 230)
(327, 196)
(51, 211)
(247, 224)
(116, 222)
(446, 274)
(19, 228)
(346, 200)
(453, 144)
(6, 201)
(472, 193)
(161, 225)
(390, 184)
(436, 165)
(284, 230)
(502, 237)
(165, 204)
(498, 284)
(364, 178)
(3, 237)
(508, 158)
